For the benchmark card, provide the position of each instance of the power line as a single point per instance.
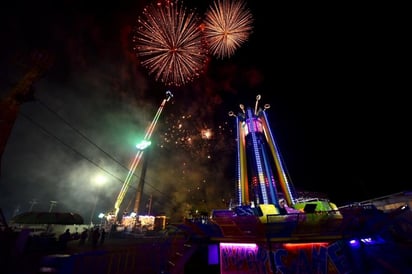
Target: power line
(90, 141)
(67, 145)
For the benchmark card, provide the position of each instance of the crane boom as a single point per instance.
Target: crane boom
(40, 62)
(139, 155)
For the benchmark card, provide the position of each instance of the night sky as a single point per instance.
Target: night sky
(335, 78)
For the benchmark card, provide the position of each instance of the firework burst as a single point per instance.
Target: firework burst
(168, 42)
(228, 24)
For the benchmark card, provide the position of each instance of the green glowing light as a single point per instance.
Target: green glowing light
(143, 144)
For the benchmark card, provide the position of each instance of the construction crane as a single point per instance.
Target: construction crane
(39, 63)
(140, 150)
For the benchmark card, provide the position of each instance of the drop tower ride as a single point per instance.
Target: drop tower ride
(262, 177)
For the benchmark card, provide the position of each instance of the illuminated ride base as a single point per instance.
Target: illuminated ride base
(313, 237)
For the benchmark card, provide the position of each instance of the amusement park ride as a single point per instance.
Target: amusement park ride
(263, 179)
(313, 235)
(134, 221)
(264, 187)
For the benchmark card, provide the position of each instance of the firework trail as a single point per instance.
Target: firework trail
(228, 24)
(168, 42)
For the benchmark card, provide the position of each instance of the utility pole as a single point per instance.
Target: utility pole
(32, 203)
(52, 204)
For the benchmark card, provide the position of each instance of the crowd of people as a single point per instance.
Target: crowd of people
(94, 236)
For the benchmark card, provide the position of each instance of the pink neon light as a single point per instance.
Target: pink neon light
(243, 245)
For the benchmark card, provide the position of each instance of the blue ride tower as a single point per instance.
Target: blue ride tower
(262, 177)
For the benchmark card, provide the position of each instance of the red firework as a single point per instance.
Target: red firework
(228, 24)
(168, 42)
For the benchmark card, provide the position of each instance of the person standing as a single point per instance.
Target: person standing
(83, 236)
(95, 236)
(102, 236)
(64, 239)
